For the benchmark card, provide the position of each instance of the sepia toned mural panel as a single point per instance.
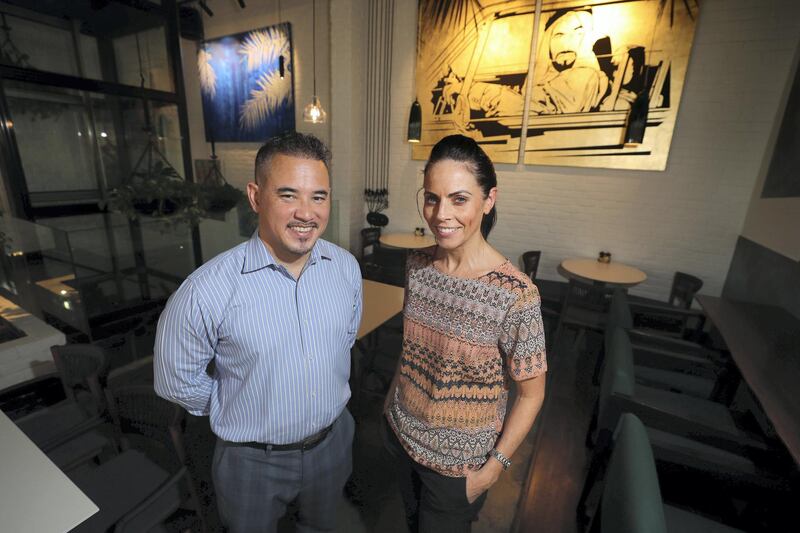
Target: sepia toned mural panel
(592, 59)
(591, 62)
(471, 69)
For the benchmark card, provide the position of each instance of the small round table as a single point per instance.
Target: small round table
(593, 271)
(407, 240)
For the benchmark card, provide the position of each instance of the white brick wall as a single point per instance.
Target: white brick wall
(348, 22)
(685, 218)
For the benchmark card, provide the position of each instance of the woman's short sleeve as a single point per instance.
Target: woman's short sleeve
(522, 336)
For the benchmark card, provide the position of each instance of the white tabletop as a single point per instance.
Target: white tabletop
(35, 496)
(407, 240)
(381, 302)
(613, 273)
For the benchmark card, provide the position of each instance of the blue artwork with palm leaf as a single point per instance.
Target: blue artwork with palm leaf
(246, 84)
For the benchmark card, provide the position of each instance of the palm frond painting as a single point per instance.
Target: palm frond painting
(245, 99)
(263, 47)
(272, 92)
(208, 79)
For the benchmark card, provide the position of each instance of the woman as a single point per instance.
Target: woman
(471, 322)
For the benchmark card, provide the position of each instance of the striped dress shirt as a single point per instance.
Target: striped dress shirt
(280, 346)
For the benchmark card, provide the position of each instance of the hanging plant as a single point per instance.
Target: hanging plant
(215, 195)
(218, 198)
(159, 193)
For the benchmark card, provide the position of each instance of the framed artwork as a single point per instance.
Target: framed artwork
(591, 60)
(247, 85)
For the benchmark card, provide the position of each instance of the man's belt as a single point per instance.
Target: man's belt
(306, 444)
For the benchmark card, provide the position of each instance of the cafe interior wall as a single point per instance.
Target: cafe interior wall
(766, 262)
(686, 218)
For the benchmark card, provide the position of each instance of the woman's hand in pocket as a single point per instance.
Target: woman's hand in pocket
(479, 481)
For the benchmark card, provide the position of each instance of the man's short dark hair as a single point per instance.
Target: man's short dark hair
(292, 144)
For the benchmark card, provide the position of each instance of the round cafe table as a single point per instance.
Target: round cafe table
(408, 241)
(592, 271)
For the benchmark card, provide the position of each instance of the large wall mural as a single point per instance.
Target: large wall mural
(591, 60)
(247, 96)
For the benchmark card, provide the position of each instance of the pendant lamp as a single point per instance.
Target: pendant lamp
(313, 112)
(415, 116)
(415, 123)
(637, 119)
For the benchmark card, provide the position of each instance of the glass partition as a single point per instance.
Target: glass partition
(80, 272)
(115, 42)
(92, 141)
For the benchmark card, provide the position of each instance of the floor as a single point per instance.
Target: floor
(538, 494)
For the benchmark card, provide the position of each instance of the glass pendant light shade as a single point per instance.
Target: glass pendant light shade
(314, 113)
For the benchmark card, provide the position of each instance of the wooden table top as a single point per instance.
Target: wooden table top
(381, 302)
(407, 240)
(613, 273)
(764, 341)
(35, 494)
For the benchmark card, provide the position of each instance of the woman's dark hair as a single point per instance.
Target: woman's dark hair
(465, 150)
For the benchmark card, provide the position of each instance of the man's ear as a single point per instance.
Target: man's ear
(252, 195)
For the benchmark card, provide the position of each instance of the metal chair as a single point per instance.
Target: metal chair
(663, 362)
(689, 435)
(675, 316)
(585, 308)
(153, 464)
(391, 263)
(631, 501)
(550, 291)
(69, 432)
(530, 262)
(370, 238)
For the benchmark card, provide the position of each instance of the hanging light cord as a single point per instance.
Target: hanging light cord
(314, 45)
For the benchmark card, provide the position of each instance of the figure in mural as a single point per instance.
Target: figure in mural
(573, 81)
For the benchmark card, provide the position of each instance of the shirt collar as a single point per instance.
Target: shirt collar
(258, 256)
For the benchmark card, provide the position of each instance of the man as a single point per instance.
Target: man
(277, 316)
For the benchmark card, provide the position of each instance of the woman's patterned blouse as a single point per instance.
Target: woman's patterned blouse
(462, 341)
